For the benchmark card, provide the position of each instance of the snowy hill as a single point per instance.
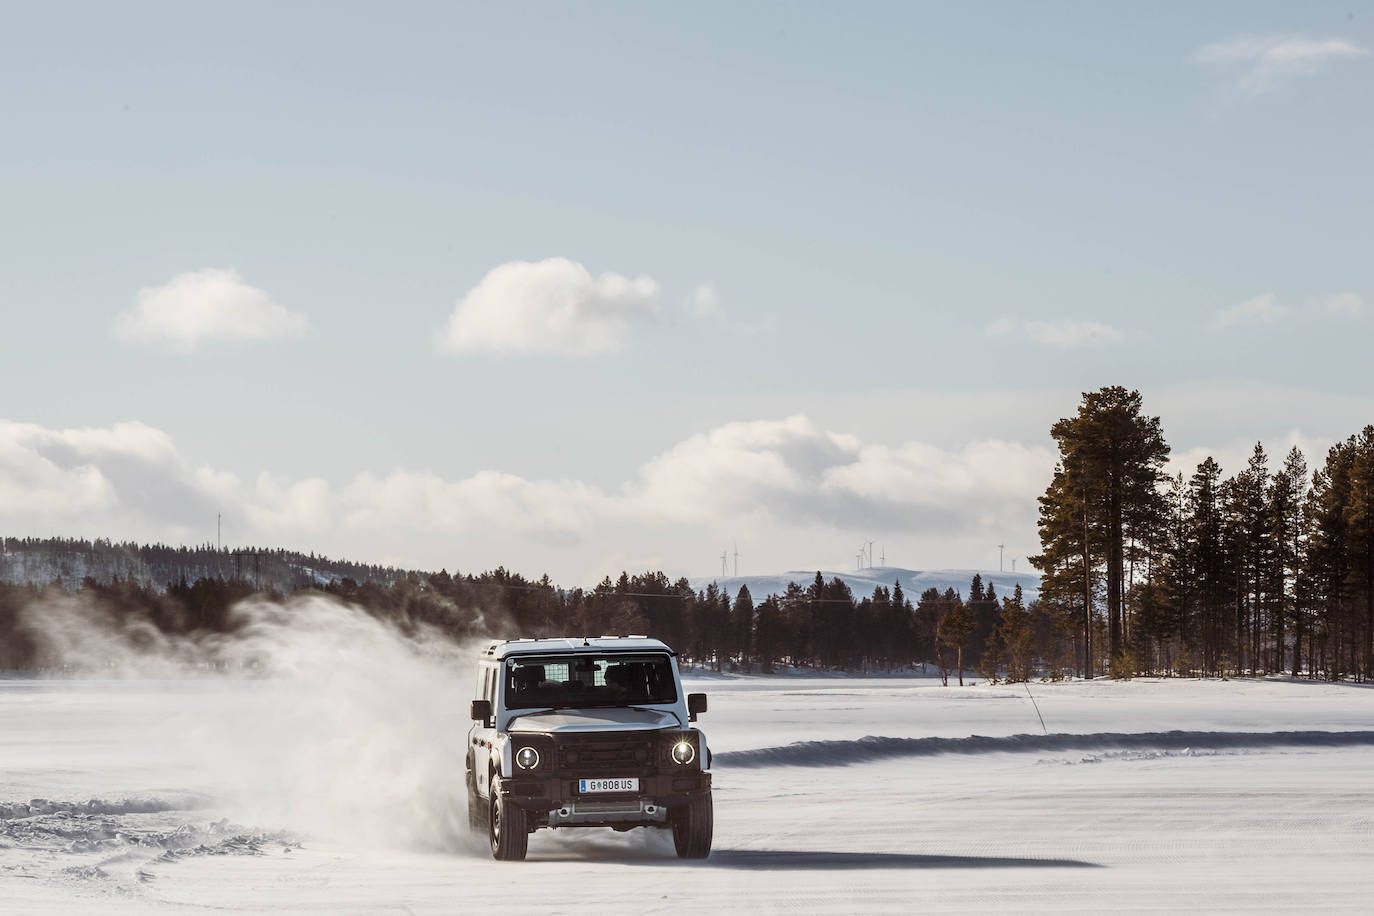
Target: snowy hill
(862, 581)
(30, 561)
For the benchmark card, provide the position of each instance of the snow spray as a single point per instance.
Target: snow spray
(311, 715)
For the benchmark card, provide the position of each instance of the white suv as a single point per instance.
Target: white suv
(586, 732)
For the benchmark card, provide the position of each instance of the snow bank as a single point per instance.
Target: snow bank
(869, 748)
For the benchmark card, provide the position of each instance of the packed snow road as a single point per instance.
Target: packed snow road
(835, 794)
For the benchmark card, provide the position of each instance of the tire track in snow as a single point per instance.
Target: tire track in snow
(873, 747)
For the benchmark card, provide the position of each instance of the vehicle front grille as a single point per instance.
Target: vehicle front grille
(631, 806)
(600, 752)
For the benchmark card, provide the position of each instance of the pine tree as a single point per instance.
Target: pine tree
(1206, 562)
(898, 629)
(955, 629)
(742, 624)
(1109, 480)
(1286, 527)
(925, 626)
(992, 657)
(1175, 582)
(1248, 520)
(1331, 552)
(1359, 517)
(1068, 582)
(766, 632)
(1018, 636)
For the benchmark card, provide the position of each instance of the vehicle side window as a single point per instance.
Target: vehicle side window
(484, 687)
(492, 678)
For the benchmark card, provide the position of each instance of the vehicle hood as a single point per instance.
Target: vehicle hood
(579, 720)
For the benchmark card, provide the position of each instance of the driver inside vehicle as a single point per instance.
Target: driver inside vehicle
(629, 681)
(525, 681)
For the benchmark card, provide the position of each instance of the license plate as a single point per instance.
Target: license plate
(607, 785)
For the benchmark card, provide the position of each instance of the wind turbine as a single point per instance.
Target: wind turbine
(999, 556)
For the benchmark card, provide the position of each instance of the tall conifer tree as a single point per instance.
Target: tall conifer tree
(1111, 461)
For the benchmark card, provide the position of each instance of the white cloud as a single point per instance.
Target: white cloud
(1064, 333)
(1233, 455)
(487, 500)
(787, 480)
(205, 305)
(550, 306)
(1263, 62)
(30, 481)
(128, 470)
(1344, 305)
(704, 303)
(1262, 309)
(794, 493)
(1072, 333)
(740, 468)
(302, 506)
(1266, 309)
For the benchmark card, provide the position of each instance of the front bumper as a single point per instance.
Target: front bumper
(555, 801)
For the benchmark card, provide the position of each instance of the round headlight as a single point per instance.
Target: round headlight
(527, 757)
(684, 753)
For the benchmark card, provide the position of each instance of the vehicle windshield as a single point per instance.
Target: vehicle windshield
(581, 681)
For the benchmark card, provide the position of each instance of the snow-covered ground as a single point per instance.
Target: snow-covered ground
(259, 796)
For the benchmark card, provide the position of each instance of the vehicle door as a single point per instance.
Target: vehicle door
(482, 737)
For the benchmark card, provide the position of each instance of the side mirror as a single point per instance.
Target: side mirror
(481, 709)
(696, 703)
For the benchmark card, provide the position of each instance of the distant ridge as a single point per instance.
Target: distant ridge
(862, 581)
(69, 561)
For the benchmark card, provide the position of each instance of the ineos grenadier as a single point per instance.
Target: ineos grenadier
(586, 732)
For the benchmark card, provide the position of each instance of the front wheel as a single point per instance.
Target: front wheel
(507, 827)
(692, 826)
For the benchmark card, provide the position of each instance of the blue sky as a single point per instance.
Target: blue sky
(918, 231)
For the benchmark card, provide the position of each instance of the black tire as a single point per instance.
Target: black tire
(692, 827)
(507, 827)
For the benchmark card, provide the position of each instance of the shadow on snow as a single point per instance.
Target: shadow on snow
(822, 860)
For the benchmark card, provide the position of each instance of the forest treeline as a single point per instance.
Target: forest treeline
(821, 625)
(71, 561)
(1268, 570)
